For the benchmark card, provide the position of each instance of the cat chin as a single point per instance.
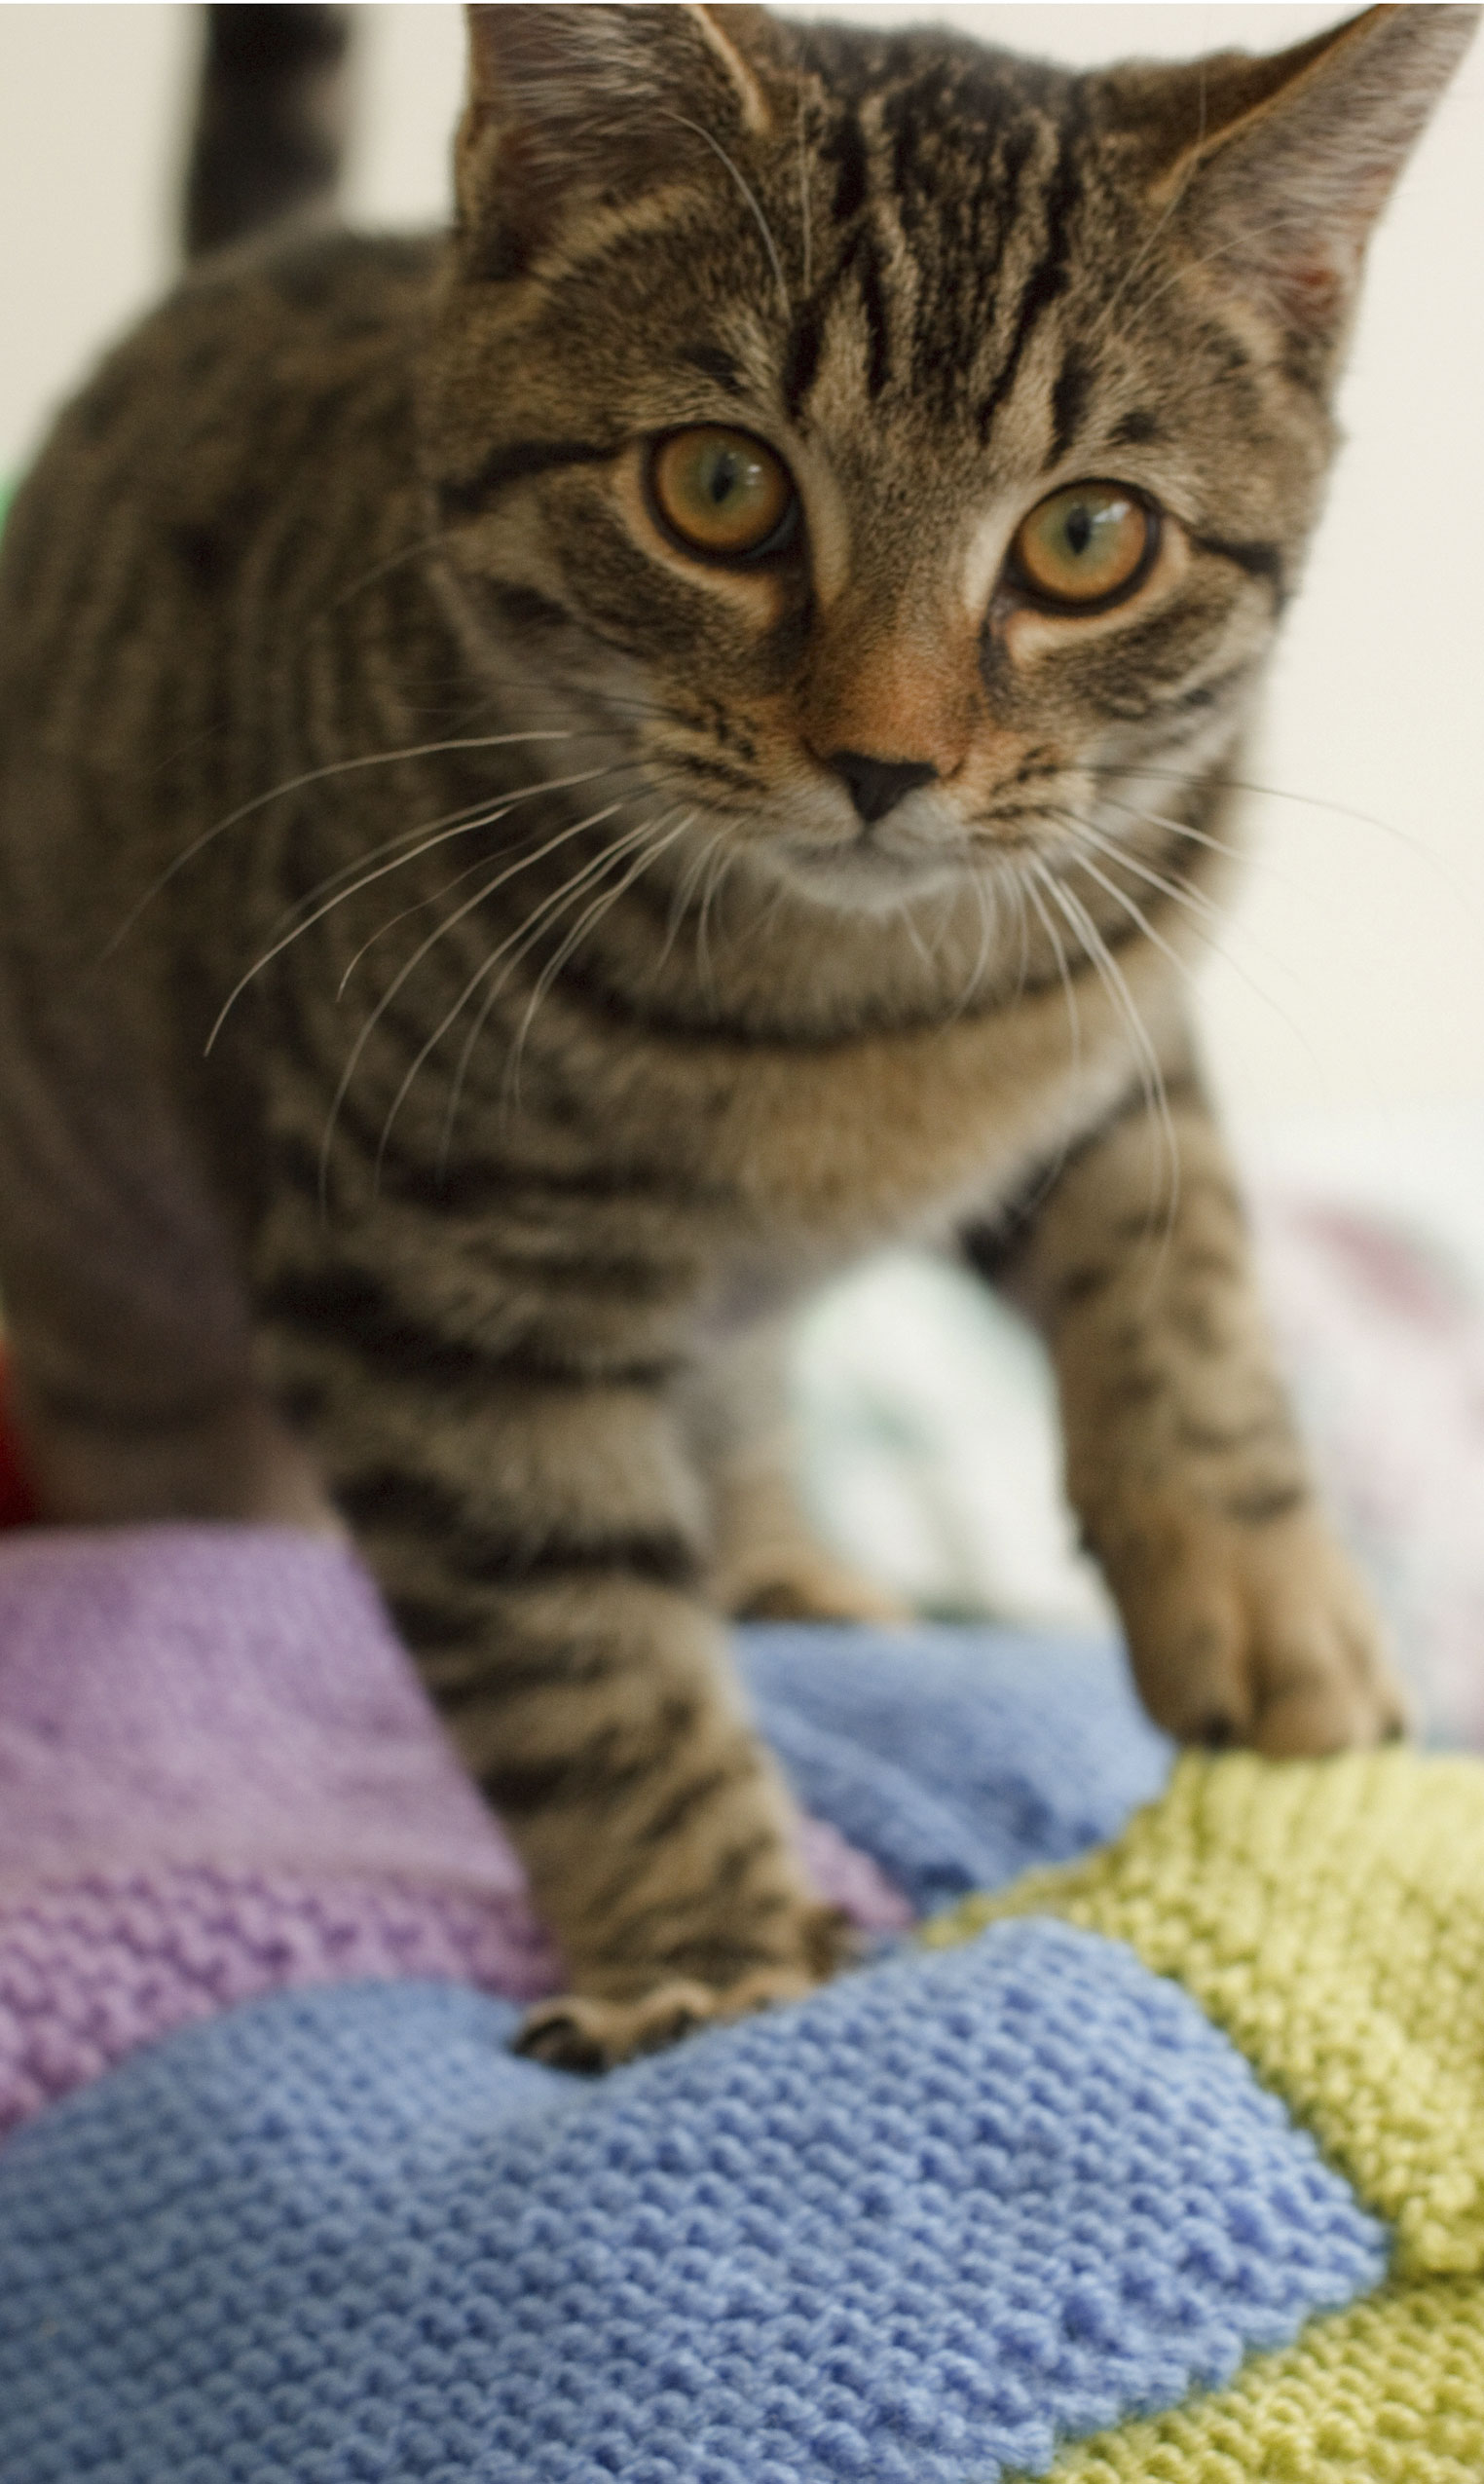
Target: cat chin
(867, 880)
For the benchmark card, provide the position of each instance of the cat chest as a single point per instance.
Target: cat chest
(830, 1148)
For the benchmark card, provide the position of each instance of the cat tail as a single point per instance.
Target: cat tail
(270, 121)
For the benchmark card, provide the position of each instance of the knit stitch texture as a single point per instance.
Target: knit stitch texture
(1330, 1915)
(1390, 2392)
(1008, 2205)
(218, 1777)
(910, 2231)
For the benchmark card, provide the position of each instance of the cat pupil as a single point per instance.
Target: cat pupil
(724, 476)
(1079, 528)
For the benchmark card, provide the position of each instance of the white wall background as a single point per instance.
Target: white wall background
(1353, 972)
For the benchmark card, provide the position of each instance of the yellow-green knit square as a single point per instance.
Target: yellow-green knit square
(1329, 1915)
(1390, 2391)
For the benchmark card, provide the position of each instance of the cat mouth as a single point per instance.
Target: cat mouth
(876, 872)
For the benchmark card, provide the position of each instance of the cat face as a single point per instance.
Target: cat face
(903, 450)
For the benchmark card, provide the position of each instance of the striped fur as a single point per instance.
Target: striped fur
(452, 1008)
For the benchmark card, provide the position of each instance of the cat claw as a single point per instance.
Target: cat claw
(573, 2033)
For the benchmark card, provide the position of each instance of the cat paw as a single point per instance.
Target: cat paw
(815, 1587)
(1256, 1634)
(577, 2033)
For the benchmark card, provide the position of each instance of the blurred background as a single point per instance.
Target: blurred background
(1343, 1001)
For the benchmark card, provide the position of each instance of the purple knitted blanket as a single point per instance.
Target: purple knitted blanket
(219, 1777)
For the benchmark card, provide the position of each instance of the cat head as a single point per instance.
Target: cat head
(897, 446)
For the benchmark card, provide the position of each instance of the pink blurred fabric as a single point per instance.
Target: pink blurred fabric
(220, 1776)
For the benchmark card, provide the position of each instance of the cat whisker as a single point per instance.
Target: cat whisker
(984, 897)
(510, 951)
(649, 851)
(1007, 875)
(987, 895)
(1194, 901)
(318, 776)
(507, 956)
(1038, 873)
(441, 832)
(1151, 1072)
(409, 967)
(1206, 915)
(716, 874)
(538, 923)
(1175, 826)
(486, 819)
(924, 954)
(1013, 878)
(749, 193)
(1136, 914)
(513, 948)
(684, 890)
(458, 881)
(466, 827)
(410, 843)
(1413, 845)
(382, 569)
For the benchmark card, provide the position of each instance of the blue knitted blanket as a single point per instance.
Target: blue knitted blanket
(952, 2211)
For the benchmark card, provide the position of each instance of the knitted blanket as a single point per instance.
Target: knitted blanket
(1165, 2161)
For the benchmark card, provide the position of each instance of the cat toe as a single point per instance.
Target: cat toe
(575, 2032)
(1261, 1637)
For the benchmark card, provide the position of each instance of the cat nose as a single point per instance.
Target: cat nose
(877, 785)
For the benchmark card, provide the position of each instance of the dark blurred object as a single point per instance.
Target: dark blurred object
(18, 1502)
(270, 120)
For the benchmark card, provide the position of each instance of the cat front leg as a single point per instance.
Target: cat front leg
(1246, 1622)
(766, 1560)
(542, 1542)
(659, 1839)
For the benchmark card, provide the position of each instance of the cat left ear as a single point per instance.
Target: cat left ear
(1279, 166)
(578, 107)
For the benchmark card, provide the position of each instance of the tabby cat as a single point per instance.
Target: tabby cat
(558, 783)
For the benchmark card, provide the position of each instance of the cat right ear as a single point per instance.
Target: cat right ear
(578, 109)
(1277, 168)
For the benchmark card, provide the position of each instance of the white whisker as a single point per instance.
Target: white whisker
(523, 862)
(1151, 1071)
(716, 874)
(520, 942)
(319, 776)
(408, 967)
(1036, 872)
(462, 825)
(1412, 845)
(1206, 915)
(768, 244)
(649, 851)
(511, 950)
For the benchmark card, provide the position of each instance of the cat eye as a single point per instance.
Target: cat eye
(723, 494)
(1086, 547)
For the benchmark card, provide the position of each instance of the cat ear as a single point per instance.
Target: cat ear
(1277, 169)
(578, 107)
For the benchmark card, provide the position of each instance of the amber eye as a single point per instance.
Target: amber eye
(722, 493)
(1086, 547)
